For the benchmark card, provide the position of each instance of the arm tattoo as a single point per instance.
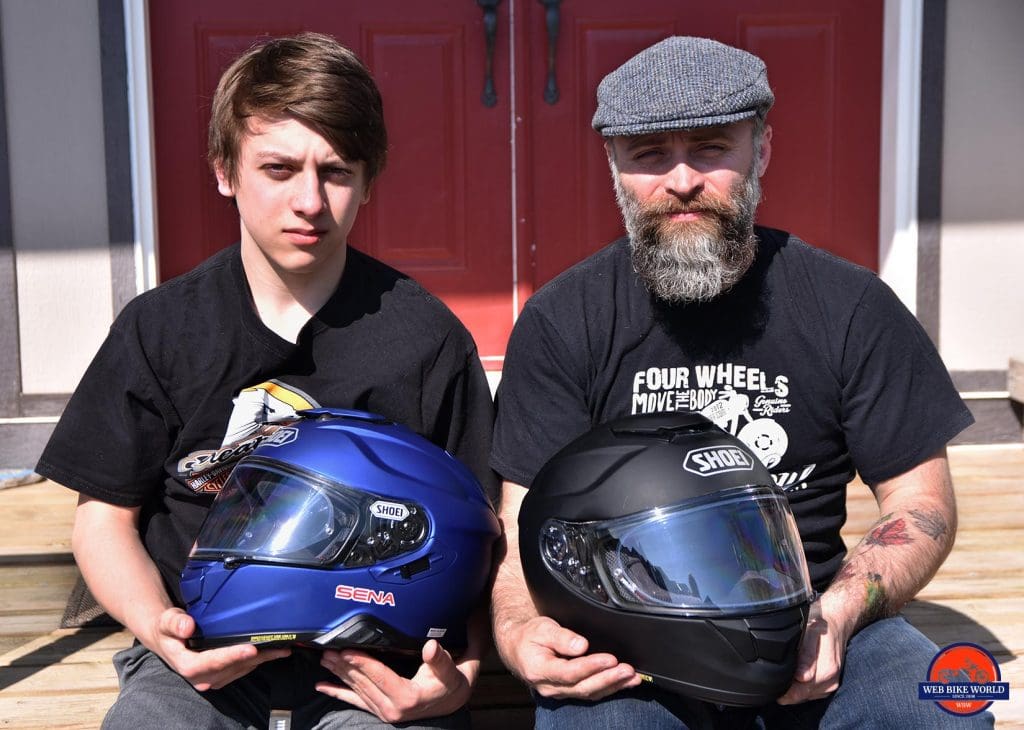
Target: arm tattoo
(846, 573)
(877, 602)
(889, 533)
(930, 522)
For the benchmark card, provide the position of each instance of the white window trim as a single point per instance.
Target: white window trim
(900, 152)
(140, 127)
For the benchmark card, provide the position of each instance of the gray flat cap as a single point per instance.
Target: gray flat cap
(682, 83)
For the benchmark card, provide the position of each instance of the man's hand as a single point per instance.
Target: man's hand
(553, 660)
(440, 686)
(210, 669)
(819, 661)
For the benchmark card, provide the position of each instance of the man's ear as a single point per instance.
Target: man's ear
(766, 150)
(224, 185)
(609, 150)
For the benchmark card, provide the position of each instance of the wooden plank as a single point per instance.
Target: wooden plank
(37, 519)
(981, 622)
(55, 680)
(74, 710)
(30, 588)
(67, 646)
(31, 624)
(64, 676)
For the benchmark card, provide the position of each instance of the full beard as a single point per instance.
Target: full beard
(692, 261)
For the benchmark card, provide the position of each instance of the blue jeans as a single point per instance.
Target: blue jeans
(884, 663)
(154, 696)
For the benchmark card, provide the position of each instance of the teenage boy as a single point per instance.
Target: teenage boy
(289, 318)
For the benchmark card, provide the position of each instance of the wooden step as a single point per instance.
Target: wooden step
(63, 678)
(37, 522)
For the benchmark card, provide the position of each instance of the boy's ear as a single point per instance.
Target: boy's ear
(224, 185)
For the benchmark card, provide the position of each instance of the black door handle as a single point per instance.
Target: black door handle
(552, 21)
(489, 97)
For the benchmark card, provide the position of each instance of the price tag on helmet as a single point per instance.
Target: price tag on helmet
(389, 510)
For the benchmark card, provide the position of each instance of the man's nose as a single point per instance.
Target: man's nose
(684, 180)
(308, 196)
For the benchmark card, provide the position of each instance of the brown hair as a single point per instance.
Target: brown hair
(311, 78)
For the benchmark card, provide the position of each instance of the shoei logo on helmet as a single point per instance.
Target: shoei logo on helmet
(282, 436)
(364, 595)
(389, 510)
(712, 460)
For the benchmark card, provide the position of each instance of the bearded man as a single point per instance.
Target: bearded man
(811, 361)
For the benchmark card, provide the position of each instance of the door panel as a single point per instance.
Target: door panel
(441, 210)
(824, 64)
(800, 54)
(574, 210)
(447, 208)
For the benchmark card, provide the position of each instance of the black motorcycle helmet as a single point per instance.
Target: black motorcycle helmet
(663, 540)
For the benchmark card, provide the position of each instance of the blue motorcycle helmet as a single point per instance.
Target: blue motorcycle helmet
(341, 529)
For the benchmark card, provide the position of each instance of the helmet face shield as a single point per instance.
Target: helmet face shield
(268, 512)
(735, 552)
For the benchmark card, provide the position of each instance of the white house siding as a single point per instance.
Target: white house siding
(51, 59)
(982, 299)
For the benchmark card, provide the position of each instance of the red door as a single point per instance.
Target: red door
(441, 211)
(483, 203)
(824, 63)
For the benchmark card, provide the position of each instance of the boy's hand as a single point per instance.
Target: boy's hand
(209, 669)
(440, 686)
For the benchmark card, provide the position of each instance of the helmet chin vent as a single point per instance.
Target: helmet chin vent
(415, 567)
(365, 631)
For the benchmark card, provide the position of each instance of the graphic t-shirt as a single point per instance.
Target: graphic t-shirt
(189, 380)
(810, 360)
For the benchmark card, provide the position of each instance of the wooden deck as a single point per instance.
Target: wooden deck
(62, 678)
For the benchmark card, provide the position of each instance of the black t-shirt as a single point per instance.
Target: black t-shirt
(810, 360)
(188, 373)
